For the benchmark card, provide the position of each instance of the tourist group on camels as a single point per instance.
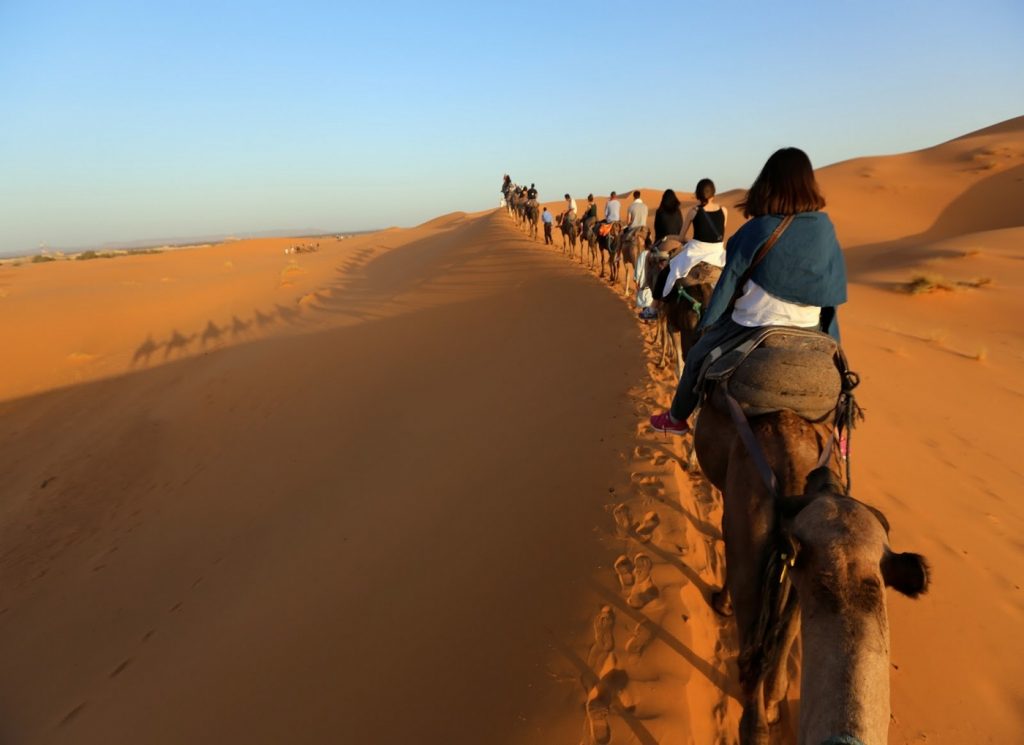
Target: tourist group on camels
(765, 391)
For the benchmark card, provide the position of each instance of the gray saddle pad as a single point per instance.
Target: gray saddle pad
(782, 368)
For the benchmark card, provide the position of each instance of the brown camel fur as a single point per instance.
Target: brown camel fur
(570, 230)
(629, 249)
(792, 447)
(532, 217)
(842, 563)
(610, 244)
(589, 236)
(678, 316)
(841, 546)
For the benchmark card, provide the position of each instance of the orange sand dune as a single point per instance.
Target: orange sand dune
(368, 523)
(368, 494)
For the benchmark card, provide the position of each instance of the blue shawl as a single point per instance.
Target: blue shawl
(805, 266)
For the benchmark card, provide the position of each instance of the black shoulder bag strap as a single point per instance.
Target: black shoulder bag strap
(707, 219)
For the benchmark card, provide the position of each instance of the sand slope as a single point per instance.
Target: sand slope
(367, 531)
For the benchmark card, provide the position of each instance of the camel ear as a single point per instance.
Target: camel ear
(906, 573)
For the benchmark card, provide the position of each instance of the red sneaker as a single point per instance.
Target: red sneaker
(665, 423)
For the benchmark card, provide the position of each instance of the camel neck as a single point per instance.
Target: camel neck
(844, 687)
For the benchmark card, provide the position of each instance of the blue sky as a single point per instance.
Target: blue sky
(121, 121)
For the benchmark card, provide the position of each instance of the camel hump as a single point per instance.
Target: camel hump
(783, 368)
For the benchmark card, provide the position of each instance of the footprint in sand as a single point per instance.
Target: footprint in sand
(645, 528)
(604, 629)
(623, 518)
(644, 590)
(624, 571)
(612, 681)
(641, 637)
(597, 717)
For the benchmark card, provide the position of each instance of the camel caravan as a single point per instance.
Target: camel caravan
(753, 332)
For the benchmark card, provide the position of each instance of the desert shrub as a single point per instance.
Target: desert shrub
(927, 283)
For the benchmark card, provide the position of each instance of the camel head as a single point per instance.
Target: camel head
(842, 563)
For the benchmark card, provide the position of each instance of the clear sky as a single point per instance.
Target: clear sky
(130, 120)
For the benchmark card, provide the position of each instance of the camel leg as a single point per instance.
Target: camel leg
(625, 280)
(679, 357)
(747, 514)
(663, 335)
(777, 680)
(754, 722)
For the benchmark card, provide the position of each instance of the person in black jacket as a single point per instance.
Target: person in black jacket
(668, 218)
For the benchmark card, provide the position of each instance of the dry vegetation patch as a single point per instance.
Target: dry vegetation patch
(927, 283)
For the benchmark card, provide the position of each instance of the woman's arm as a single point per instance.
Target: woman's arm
(687, 221)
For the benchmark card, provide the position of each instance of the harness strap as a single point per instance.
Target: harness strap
(694, 302)
(753, 447)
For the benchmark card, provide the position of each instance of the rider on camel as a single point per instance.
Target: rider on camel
(800, 282)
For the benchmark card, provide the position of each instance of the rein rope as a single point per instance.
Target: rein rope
(698, 308)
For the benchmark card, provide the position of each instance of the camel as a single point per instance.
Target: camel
(681, 310)
(630, 246)
(752, 523)
(570, 231)
(532, 213)
(609, 243)
(841, 562)
(588, 235)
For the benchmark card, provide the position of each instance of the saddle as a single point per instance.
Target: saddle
(604, 230)
(780, 367)
(702, 274)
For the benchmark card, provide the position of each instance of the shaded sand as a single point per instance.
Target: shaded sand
(372, 531)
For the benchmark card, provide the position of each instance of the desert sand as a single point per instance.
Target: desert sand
(375, 494)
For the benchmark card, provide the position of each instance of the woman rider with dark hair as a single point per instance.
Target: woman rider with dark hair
(799, 282)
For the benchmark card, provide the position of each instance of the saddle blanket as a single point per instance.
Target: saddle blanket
(693, 253)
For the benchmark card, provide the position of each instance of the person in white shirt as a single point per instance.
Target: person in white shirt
(637, 215)
(612, 209)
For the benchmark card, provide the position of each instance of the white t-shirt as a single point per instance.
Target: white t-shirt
(572, 205)
(757, 307)
(637, 214)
